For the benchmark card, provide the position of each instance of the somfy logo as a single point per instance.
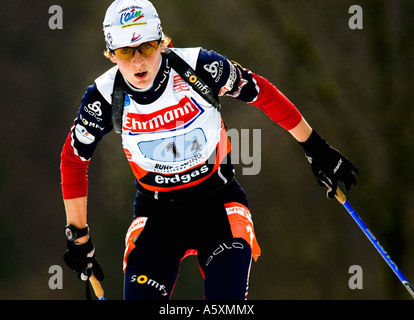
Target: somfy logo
(143, 280)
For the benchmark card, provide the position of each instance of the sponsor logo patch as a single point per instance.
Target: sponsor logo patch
(83, 135)
(174, 117)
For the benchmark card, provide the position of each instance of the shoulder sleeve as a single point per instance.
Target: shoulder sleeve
(91, 124)
(216, 71)
(231, 79)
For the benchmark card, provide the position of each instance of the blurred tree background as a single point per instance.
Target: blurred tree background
(353, 86)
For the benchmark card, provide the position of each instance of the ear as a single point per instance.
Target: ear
(109, 56)
(112, 58)
(162, 46)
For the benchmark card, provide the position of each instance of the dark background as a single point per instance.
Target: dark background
(353, 86)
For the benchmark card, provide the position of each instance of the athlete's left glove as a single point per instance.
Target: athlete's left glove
(329, 165)
(81, 259)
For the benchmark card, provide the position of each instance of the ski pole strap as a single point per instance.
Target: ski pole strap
(339, 195)
(189, 75)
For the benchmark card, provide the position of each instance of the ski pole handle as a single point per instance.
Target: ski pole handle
(340, 196)
(97, 287)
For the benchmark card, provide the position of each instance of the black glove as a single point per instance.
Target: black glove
(81, 259)
(329, 165)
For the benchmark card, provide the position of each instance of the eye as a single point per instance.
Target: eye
(145, 46)
(125, 50)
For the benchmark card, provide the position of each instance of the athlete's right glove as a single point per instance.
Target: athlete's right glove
(81, 259)
(328, 165)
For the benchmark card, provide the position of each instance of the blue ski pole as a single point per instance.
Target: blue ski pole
(342, 199)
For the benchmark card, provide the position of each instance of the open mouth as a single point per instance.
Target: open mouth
(140, 74)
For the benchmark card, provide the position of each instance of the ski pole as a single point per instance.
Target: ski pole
(340, 196)
(97, 287)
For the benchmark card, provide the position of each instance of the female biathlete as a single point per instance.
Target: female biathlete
(188, 200)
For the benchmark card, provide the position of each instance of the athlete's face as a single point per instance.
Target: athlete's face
(141, 69)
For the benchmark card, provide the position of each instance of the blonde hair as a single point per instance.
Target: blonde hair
(166, 41)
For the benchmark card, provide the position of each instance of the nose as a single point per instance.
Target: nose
(137, 58)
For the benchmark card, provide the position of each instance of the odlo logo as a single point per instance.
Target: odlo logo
(143, 280)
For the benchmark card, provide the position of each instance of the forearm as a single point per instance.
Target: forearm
(80, 253)
(302, 131)
(76, 214)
